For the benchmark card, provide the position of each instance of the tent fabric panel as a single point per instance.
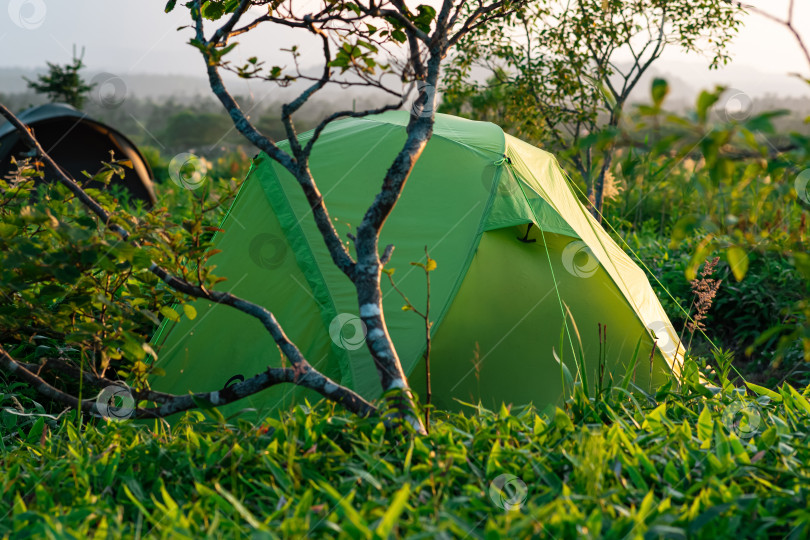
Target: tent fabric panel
(541, 173)
(451, 242)
(202, 354)
(511, 207)
(512, 331)
(480, 136)
(441, 207)
(344, 163)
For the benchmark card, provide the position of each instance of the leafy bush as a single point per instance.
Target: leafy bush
(72, 291)
(743, 311)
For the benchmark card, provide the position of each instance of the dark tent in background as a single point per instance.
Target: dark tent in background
(77, 143)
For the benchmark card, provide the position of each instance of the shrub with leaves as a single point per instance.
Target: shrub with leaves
(759, 319)
(75, 297)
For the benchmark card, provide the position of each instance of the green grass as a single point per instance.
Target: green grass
(666, 466)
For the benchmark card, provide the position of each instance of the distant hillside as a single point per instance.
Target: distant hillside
(174, 113)
(147, 85)
(686, 81)
(144, 85)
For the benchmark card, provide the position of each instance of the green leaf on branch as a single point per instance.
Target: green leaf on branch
(738, 261)
(660, 89)
(424, 17)
(170, 313)
(705, 102)
(190, 312)
(213, 10)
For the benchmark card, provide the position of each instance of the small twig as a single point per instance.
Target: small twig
(426, 317)
(787, 23)
(386, 256)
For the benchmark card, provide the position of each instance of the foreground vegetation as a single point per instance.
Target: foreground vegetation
(708, 455)
(669, 465)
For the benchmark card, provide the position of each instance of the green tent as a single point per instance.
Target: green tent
(498, 295)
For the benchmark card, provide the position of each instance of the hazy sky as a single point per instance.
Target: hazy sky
(136, 36)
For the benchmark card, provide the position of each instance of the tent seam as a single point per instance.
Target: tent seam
(311, 269)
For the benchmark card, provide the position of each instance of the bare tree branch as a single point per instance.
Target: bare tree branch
(294, 165)
(426, 49)
(787, 22)
(348, 114)
(170, 404)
